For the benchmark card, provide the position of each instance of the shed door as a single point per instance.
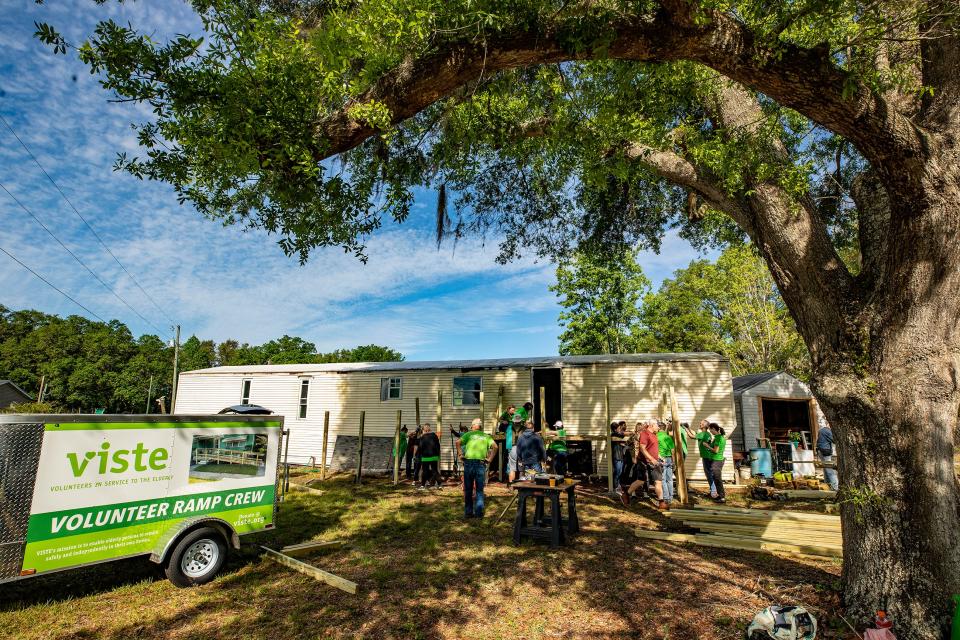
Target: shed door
(549, 381)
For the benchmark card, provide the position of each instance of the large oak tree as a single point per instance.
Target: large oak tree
(593, 122)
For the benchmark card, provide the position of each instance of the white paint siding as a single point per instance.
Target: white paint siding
(345, 395)
(782, 385)
(637, 392)
(640, 392)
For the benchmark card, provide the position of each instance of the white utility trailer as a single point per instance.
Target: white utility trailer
(77, 490)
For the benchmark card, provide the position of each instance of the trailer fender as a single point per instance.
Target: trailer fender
(167, 541)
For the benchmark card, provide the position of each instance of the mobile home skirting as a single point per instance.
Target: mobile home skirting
(639, 389)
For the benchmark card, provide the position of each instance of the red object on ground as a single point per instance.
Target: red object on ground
(883, 621)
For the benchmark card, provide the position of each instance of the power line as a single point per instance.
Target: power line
(77, 258)
(51, 285)
(79, 215)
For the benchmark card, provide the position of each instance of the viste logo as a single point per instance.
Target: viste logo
(139, 457)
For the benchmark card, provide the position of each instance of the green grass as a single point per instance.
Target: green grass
(245, 469)
(424, 572)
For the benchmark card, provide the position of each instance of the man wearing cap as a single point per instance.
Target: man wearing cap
(476, 449)
(558, 448)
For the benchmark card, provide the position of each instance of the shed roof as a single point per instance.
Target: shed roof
(17, 387)
(742, 383)
(469, 365)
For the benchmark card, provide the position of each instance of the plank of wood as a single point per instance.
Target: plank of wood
(810, 493)
(775, 538)
(800, 525)
(772, 526)
(720, 543)
(770, 515)
(318, 574)
(313, 545)
(782, 512)
(650, 534)
(787, 522)
(302, 487)
(804, 542)
(725, 543)
(785, 526)
(812, 550)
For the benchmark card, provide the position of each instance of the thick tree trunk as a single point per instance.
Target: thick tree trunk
(892, 392)
(901, 528)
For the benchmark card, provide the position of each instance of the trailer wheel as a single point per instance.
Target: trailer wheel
(197, 558)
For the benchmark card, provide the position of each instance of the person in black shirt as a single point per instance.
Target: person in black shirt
(413, 463)
(429, 451)
(531, 454)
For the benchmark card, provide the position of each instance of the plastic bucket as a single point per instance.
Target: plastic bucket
(761, 463)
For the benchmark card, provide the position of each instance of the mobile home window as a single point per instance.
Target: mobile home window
(466, 391)
(304, 394)
(390, 389)
(245, 393)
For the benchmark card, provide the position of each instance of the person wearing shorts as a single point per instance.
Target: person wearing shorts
(649, 465)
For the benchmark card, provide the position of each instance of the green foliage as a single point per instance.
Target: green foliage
(731, 307)
(600, 295)
(91, 364)
(31, 407)
(237, 110)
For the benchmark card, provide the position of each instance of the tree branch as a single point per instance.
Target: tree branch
(804, 79)
(683, 173)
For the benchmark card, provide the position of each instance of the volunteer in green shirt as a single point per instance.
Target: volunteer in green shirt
(666, 446)
(716, 448)
(524, 412)
(703, 437)
(558, 449)
(476, 449)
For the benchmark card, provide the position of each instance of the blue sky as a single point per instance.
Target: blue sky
(222, 282)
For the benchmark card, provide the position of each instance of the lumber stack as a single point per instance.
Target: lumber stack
(792, 532)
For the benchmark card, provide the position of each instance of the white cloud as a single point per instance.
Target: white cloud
(222, 282)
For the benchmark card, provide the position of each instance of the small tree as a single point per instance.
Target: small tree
(732, 307)
(601, 300)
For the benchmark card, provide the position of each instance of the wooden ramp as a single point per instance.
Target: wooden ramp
(791, 532)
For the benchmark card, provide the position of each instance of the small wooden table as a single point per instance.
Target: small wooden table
(558, 529)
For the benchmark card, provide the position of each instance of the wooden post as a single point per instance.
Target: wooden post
(360, 447)
(610, 480)
(679, 460)
(326, 430)
(483, 422)
(499, 408)
(416, 405)
(439, 412)
(43, 380)
(396, 451)
(543, 409)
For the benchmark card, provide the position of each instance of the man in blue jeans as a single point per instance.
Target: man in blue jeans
(825, 451)
(476, 449)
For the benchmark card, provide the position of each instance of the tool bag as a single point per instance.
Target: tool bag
(782, 623)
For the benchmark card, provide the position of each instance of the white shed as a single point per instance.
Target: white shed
(769, 405)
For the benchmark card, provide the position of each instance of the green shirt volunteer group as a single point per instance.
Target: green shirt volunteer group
(475, 445)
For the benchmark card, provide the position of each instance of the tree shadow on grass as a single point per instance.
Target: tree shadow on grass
(424, 572)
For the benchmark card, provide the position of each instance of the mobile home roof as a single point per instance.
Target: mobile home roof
(465, 365)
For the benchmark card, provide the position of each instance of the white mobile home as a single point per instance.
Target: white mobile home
(573, 390)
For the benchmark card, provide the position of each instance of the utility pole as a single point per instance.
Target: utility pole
(149, 394)
(43, 384)
(176, 365)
